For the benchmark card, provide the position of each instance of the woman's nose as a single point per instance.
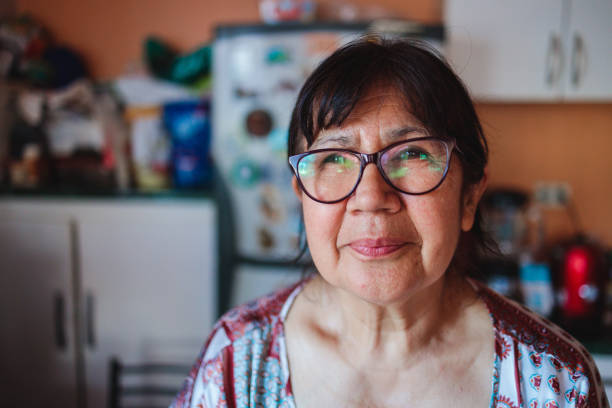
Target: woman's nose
(373, 193)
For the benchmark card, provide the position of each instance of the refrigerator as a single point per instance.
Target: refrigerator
(258, 71)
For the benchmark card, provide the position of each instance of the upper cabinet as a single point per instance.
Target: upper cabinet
(588, 40)
(548, 50)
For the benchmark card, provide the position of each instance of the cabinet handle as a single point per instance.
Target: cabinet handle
(89, 316)
(553, 60)
(578, 60)
(59, 318)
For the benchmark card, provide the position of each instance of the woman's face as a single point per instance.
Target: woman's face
(379, 244)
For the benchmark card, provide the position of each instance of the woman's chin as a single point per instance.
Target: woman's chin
(382, 285)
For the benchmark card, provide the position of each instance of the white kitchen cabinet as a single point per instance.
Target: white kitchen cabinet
(37, 343)
(142, 273)
(548, 50)
(604, 364)
(148, 276)
(589, 46)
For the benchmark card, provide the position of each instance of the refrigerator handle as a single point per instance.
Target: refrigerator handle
(59, 320)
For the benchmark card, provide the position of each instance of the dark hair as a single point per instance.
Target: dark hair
(434, 95)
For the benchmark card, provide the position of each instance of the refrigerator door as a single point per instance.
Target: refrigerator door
(257, 77)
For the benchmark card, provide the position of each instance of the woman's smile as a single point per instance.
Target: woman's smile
(376, 247)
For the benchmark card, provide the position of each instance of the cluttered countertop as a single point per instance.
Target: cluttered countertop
(563, 279)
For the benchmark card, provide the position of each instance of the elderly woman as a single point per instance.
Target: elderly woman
(389, 160)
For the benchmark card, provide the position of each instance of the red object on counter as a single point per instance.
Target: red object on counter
(583, 280)
(580, 289)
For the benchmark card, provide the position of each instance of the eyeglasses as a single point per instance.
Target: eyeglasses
(416, 166)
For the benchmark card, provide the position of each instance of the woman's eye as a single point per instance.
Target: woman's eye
(336, 159)
(333, 158)
(338, 162)
(412, 155)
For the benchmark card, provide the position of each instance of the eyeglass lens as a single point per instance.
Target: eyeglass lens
(413, 167)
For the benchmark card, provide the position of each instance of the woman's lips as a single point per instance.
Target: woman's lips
(375, 248)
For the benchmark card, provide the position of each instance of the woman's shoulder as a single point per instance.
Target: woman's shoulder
(537, 360)
(259, 314)
(246, 333)
(255, 321)
(527, 328)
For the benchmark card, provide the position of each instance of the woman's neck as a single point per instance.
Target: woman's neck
(396, 333)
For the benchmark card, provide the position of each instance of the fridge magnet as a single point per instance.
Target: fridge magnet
(265, 239)
(241, 92)
(245, 173)
(287, 85)
(259, 122)
(277, 142)
(271, 203)
(278, 55)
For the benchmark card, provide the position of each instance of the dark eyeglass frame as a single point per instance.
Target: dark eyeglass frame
(367, 158)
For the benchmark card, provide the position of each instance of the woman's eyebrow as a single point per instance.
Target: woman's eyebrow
(343, 140)
(401, 132)
(347, 140)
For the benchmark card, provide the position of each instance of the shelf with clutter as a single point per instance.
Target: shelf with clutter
(146, 133)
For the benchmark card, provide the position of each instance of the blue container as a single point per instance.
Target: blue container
(188, 124)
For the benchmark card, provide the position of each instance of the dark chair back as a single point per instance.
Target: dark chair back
(144, 385)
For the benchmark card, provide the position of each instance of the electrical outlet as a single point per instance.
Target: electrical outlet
(553, 194)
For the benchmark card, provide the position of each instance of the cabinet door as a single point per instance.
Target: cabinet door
(589, 45)
(506, 50)
(604, 365)
(37, 342)
(148, 285)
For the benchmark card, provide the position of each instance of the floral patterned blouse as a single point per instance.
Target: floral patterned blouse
(244, 361)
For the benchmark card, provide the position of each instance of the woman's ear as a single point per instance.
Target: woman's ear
(296, 188)
(470, 200)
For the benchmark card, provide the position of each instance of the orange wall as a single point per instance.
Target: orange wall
(556, 142)
(529, 142)
(109, 33)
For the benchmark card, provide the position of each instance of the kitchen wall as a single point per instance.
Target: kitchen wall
(529, 142)
(110, 32)
(7, 8)
(556, 142)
